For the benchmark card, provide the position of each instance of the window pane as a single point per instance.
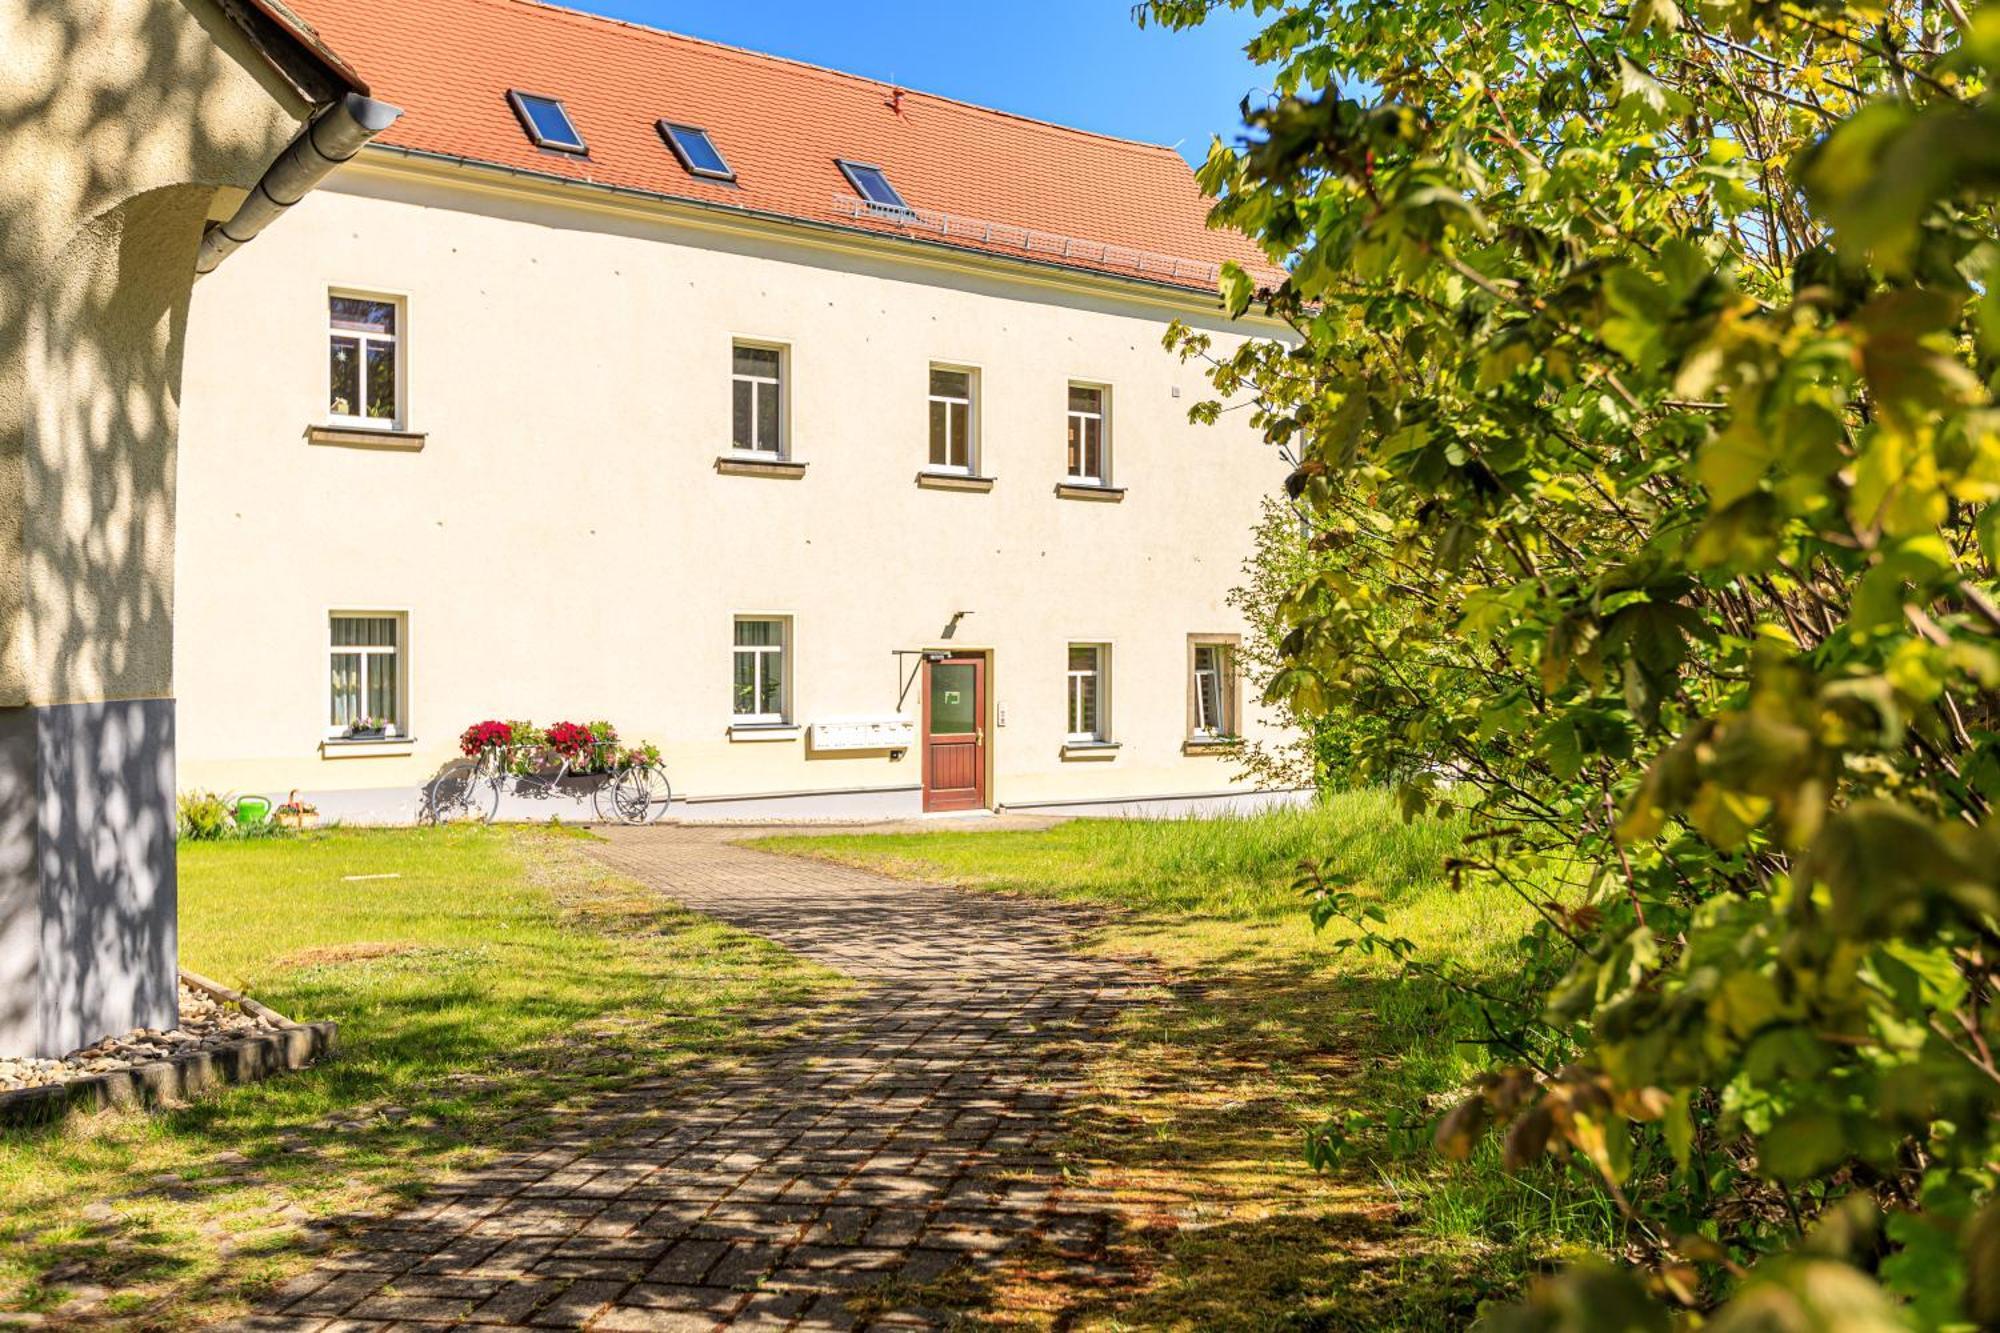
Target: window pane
(1085, 400)
(952, 704)
(771, 700)
(940, 452)
(1211, 665)
(1086, 705)
(1075, 447)
(344, 378)
(382, 380)
(551, 122)
(362, 315)
(744, 693)
(961, 435)
(382, 687)
(1082, 657)
(364, 631)
(757, 633)
(1093, 447)
(951, 384)
(757, 361)
(742, 390)
(874, 186)
(699, 150)
(346, 702)
(767, 417)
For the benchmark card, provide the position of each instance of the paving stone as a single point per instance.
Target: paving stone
(688, 1262)
(516, 1301)
(337, 1295)
(628, 1319)
(907, 1131)
(577, 1304)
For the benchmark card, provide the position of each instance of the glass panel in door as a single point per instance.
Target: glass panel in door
(953, 702)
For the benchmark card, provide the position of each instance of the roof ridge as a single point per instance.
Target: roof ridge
(570, 11)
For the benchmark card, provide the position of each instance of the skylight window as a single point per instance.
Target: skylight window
(872, 184)
(547, 123)
(696, 151)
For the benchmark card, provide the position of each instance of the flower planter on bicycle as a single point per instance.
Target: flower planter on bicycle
(569, 759)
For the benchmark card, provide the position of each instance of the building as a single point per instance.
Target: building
(139, 137)
(818, 430)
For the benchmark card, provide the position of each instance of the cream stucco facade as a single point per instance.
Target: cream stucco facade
(557, 540)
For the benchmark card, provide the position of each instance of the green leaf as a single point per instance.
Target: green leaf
(1802, 1144)
(1238, 288)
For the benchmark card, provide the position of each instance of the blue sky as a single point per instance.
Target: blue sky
(1079, 62)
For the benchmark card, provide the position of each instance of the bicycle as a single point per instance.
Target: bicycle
(469, 791)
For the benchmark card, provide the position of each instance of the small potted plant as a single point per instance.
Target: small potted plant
(367, 729)
(297, 814)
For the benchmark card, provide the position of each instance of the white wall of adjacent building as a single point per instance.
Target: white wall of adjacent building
(563, 546)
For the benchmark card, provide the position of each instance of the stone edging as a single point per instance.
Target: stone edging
(182, 1077)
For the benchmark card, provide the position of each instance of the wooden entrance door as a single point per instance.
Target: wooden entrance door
(955, 733)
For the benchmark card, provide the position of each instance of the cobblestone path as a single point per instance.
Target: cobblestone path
(903, 1137)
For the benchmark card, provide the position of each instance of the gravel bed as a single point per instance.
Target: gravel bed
(206, 1023)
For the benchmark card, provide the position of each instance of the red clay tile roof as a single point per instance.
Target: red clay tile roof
(1091, 202)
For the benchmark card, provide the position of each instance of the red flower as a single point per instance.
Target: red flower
(483, 736)
(571, 740)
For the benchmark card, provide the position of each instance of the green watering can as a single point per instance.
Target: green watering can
(252, 811)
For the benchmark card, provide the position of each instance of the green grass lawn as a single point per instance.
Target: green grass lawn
(486, 982)
(1203, 1103)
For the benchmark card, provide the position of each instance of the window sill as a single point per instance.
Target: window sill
(1089, 490)
(1211, 744)
(366, 437)
(1090, 750)
(740, 465)
(954, 481)
(340, 747)
(765, 731)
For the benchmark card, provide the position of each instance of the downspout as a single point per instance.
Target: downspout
(328, 140)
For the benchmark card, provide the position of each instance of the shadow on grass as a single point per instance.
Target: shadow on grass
(1192, 1137)
(166, 1218)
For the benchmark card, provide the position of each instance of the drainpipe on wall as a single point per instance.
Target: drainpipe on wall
(328, 140)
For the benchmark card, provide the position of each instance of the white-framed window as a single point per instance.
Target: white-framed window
(760, 692)
(1086, 716)
(364, 367)
(1089, 461)
(1212, 691)
(365, 674)
(757, 398)
(954, 410)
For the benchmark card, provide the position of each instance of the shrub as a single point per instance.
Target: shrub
(1642, 372)
(204, 816)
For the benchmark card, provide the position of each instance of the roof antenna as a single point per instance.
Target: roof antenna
(895, 101)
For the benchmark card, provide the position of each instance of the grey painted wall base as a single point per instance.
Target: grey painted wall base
(400, 805)
(1169, 807)
(87, 890)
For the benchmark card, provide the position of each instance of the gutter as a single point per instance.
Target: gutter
(788, 220)
(329, 139)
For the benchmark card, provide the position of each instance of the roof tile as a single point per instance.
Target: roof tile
(782, 125)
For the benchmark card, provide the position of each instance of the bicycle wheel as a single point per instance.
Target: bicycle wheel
(641, 794)
(462, 795)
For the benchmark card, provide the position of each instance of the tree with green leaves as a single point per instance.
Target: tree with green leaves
(1646, 358)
